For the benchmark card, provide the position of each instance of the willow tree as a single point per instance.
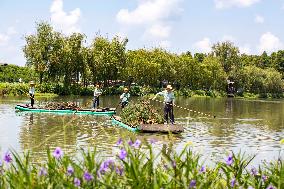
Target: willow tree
(37, 48)
(228, 55)
(108, 58)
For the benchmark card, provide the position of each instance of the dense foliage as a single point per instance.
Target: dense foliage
(140, 112)
(67, 61)
(138, 165)
(12, 73)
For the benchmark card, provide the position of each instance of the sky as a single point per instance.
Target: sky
(176, 25)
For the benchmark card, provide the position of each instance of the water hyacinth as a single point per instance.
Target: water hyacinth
(229, 160)
(70, 170)
(130, 143)
(58, 153)
(122, 154)
(7, 157)
(192, 184)
(264, 178)
(202, 169)
(270, 187)
(137, 144)
(87, 176)
(42, 172)
(119, 170)
(119, 142)
(233, 182)
(108, 164)
(254, 171)
(77, 182)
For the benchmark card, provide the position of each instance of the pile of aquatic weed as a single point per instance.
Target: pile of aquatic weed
(137, 165)
(141, 112)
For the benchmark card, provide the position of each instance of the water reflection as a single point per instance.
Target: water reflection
(251, 126)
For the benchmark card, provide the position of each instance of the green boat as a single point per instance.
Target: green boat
(149, 128)
(103, 111)
(115, 121)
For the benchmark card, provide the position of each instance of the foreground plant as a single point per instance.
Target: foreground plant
(137, 165)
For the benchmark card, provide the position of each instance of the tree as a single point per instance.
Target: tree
(228, 55)
(37, 48)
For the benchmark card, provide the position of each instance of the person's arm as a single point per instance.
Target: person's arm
(121, 96)
(159, 93)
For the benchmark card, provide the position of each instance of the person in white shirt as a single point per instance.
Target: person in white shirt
(32, 93)
(124, 98)
(97, 93)
(169, 103)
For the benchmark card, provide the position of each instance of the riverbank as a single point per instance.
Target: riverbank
(134, 165)
(52, 90)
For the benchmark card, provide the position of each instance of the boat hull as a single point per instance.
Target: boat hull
(68, 111)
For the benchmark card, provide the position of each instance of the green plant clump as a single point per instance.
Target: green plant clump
(141, 112)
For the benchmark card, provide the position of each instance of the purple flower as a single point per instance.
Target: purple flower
(119, 142)
(105, 165)
(254, 171)
(270, 187)
(42, 171)
(137, 143)
(192, 184)
(7, 157)
(58, 153)
(233, 182)
(70, 170)
(122, 154)
(88, 176)
(250, 187)
(119, 170)
(174, 164)
(264, 178)
(0, 163)
(152, 141)
(229, 160)
(130, 143)
(77, 182)
(202, 169)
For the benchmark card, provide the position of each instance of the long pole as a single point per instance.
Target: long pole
(198, 112)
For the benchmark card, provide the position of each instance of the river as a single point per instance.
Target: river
(250, 126)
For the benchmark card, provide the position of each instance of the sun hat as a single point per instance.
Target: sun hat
(32, 83)
(169, 87)
(125, 89)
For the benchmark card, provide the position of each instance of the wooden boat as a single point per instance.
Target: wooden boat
(103, 111)
(148, 128)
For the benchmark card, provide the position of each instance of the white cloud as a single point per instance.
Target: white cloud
(153, 16)
(269, 43)
(6, 36)
(245, 49)
(149, 11)
(159, 31)
(222, 4)
(259, 19)
(67, 22)
(165, 44)
(204, 45)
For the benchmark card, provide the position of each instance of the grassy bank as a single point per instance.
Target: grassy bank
(132, 167)
(50, 90)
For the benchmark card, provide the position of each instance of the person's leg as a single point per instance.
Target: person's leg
(32, 100)
(171, 112)
(98, 101)
(166, 113)
(94, 102)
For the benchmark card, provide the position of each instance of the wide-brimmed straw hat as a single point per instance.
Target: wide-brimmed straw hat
(32, 83)
(169, 87)
(125, 89)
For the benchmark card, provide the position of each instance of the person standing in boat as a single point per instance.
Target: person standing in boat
(169, 103)
(32, 93)
(124, 98)
(97, 93)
